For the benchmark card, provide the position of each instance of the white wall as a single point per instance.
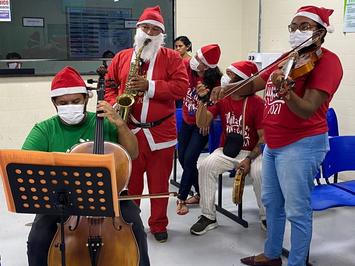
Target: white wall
(230, 23)
(209, 21)
(24, 102)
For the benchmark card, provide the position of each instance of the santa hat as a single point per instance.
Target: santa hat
(209, 55)
(67, 81)
(318, 14)
(244, 69)
(152, 16)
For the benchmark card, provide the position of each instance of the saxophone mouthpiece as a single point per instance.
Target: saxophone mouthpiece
(146, 42)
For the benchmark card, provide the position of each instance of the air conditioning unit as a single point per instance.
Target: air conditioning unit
(263, 59)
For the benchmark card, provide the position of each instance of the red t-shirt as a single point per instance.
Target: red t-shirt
(231, 112)
(281, 125)
(190, 101)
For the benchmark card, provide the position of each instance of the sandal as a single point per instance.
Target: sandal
(181, 208)
(195, 199)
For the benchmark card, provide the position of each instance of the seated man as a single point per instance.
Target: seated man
(14, 64)
(241, 120)
(107, 54)
(60, 133)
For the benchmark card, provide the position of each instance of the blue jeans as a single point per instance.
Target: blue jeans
(287, 183)
(190, 145)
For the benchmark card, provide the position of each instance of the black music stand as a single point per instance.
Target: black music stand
(65, 189)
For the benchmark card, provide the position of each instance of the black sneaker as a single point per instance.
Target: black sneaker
(263, 225)
(203, 225)
(161, 236)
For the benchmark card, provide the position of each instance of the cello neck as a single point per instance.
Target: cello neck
(99, 130)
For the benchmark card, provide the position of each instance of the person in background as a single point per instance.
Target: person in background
(107, 54)
(161, 81)
(242, 136)
(295, 132)
(183, 45)
(73, 125)
(203, 72)
(13, 64)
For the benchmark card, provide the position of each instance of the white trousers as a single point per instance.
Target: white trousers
(217, 163)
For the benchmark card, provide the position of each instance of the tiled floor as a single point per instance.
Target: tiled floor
(333, 241)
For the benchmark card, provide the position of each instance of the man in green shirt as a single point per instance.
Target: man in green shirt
(60, 133)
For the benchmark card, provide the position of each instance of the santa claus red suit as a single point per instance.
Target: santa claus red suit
(152, 117)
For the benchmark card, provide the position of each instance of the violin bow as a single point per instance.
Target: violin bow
(241, 84)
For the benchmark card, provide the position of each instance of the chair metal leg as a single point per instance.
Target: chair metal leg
(174, 180)
(238, 219)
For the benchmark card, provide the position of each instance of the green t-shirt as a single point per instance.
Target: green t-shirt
(52, 135)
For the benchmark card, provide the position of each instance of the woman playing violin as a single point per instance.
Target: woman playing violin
(295, 131)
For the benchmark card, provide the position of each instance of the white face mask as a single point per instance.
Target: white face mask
(297, 37)
(225, 80)
(194, 63)
(13, 65)
(71, 114)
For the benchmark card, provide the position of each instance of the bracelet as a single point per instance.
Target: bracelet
(249, 157)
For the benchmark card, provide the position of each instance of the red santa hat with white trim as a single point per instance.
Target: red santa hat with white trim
(318, 14)
(209, 54)
(151, 15)
(67, 81)
(244, 69)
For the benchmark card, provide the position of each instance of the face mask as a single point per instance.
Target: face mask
(12, 65)
(71, 114)
(298, 37)
(194, 64)
(225, 80)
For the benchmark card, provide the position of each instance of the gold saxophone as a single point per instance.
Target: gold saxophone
(126, 99)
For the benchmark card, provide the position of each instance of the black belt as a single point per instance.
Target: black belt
(151, 124)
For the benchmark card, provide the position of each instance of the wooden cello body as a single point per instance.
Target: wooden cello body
(98, 241)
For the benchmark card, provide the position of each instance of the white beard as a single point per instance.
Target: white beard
(152, 48)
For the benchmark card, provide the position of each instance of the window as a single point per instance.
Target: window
(52, 34)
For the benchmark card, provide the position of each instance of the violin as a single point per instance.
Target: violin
(98, 241)
(304, 64)
(294, 64)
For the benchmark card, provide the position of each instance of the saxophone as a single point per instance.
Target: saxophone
(126, 99)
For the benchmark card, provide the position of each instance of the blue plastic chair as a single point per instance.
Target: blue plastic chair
(215, 134)
(333, 129)
(178, 116)
(340, 158)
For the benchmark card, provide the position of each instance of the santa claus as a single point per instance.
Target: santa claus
(161, 79)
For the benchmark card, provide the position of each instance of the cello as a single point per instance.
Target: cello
(98, 241)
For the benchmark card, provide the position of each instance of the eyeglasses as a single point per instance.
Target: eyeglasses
(305, 26)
